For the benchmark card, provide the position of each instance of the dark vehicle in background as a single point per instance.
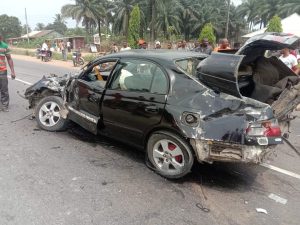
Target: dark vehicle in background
(178, 106)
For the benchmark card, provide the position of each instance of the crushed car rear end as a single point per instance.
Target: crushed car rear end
(244, 113)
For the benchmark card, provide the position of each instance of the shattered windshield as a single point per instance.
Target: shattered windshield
(188, 65)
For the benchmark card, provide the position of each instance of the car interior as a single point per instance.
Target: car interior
(264, 78)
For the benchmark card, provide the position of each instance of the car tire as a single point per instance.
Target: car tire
(48, 116)
(170, 155)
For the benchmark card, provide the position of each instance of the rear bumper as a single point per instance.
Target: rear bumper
(210, 151)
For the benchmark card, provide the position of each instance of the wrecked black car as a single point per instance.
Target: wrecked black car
(178, 106)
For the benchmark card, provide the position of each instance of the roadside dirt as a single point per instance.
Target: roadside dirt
(66, 64)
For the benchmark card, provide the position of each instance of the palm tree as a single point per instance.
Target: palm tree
(289, 7)
(189, 14)
(89, 12)
(249, 10)
(122, 14)
(168, 16)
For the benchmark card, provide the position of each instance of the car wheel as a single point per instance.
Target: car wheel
(170, 155)
(48, 114)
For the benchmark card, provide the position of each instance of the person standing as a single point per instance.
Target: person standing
(157, 45)
(5, 53)
(69, 46)
(114, 48)
(223, 45)
(289, 60)
(62, 47)
(182, 46)
(125, 47)
(205, 47)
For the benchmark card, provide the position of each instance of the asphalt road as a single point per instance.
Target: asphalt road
(75, 178)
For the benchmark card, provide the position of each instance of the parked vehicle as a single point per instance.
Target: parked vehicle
(178, 106)
(77, 59)
(45, 55)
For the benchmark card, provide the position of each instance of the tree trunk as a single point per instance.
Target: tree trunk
(127, 23)
(99, 29)
(153, 15)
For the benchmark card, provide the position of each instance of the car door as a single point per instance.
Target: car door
(86, 94)
(135, 99)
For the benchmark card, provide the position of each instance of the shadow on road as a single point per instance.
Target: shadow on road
(226, 176)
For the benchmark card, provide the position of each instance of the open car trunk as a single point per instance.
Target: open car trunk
(250, 73)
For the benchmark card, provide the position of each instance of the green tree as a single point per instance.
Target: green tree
(274, 24)
(208, 32)
(134, 26)
(10, 26)
(39, 26)
(59, 24)
(122, 15)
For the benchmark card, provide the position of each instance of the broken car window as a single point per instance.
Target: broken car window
(98, 74)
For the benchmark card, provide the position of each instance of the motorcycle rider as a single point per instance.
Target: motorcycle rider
(45, 48)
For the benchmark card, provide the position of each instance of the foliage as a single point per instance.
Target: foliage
(208, 32)
(10, 26)
(134, 27)
(75, 32)
(59, 24)
(32, 43)
(186, 17)
(39, 26)
(274, 24)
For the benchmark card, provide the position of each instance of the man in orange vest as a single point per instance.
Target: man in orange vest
(5, 53)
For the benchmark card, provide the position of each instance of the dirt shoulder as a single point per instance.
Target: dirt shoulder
(66, 64)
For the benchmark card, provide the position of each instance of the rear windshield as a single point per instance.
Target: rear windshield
(188, 65)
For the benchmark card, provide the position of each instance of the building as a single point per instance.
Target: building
(44, 34)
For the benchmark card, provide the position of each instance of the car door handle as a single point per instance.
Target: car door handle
(151, 109)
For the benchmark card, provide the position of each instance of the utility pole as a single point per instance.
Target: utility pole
(227, 22)
(26, 25)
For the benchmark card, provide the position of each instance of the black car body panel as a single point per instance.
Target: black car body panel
(210, 107)
(219, 72)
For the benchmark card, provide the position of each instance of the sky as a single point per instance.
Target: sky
(40, 11)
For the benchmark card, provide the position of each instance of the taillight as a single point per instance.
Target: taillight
(268, 128)
(272, 129)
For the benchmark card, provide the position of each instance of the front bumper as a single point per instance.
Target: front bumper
(210, 151)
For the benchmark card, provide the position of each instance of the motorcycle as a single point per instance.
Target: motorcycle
(77, 59)
(45, 55)
(38, 53)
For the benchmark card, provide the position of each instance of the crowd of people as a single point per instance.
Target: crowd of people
(203, 47)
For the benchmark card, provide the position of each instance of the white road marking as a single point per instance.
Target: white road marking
(286, 172)
(22, 81)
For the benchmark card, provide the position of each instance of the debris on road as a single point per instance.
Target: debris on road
(260, 210)
(277, 198)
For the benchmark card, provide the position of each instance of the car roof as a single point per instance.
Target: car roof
(157, 55)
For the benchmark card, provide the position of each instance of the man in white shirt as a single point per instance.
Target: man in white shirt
(289, 60)
(125, 47)
(45, 46)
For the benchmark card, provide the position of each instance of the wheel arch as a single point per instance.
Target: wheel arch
(168, 131)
